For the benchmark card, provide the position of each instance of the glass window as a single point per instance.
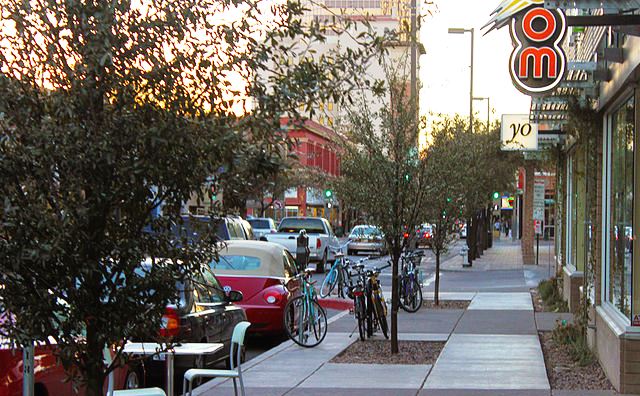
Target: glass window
(621, 208)
(235, 230)
(260, 224)
(207, 289)
(312, 226)
(290, 269)
(237, 263)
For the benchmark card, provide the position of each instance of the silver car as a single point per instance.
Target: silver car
(262, 226)
(366, 238)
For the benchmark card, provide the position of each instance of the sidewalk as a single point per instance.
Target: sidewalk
(492, 349)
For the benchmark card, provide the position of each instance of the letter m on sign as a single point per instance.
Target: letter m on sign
(539, 56)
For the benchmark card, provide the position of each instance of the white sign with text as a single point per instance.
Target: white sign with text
(518, 134)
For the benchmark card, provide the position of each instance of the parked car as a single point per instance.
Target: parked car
(262, 226)
(247, 228)
(260, 270)
(49, 375)
(226, 228)
(424, 235)
(366, 238)
(204, 313)
(321, 238)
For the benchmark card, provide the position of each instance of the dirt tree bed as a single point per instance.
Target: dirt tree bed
(565, 374)
(446, 304)
(379, 352)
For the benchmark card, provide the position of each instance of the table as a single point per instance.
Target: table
(187, 348)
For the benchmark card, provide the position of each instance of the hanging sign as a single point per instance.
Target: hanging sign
(537, 63)
(517, 133)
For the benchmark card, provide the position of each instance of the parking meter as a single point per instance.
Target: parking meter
(302, 250)
(464, 253)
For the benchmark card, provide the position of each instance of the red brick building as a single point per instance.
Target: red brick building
(315, 148)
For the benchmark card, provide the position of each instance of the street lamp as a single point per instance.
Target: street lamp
(488, 110)
(462, 31)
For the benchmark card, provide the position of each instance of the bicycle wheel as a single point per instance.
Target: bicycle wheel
(369, 317)
(305, 321)
(381, 317)
(410, 295)
(329, 283)
(360, 316)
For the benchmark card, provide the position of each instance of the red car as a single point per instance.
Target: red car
(50, 377)
(260, 270)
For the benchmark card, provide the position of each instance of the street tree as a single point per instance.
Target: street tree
(111, 114)
(445, 176)
(382, 173)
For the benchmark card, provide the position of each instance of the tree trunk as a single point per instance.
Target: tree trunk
(470, 252)
(93, 362)
(397, 250)
(436, 290)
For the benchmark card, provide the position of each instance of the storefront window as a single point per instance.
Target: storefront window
(621, 208)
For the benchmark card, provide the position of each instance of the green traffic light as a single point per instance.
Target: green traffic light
(328, 193)
(496, 195)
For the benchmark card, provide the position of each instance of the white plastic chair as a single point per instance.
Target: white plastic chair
(237, 340)
(128, 392)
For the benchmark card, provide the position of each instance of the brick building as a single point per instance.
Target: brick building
(316, 150)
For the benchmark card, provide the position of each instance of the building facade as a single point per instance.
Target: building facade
(595, 112)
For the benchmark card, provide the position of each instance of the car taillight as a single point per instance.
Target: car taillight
(170, 326)
(272, 297)
(318, 243)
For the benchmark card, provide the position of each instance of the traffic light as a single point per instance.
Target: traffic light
(496, 195)
(214, 191)
(328, 194)
(448, 200)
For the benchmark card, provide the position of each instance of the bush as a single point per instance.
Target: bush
(572, 336)
(551, 296)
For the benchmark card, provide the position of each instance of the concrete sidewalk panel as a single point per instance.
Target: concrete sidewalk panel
(502, 301)
(429, 321)
(497, 322)
(490, 362)
(351, 392)
(476, 392)
(219, 391)
(393, 376)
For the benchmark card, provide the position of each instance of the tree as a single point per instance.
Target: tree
(382, 173)
(111, 115)
(445, 177)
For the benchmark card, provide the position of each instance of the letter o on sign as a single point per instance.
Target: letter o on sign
(539, 35)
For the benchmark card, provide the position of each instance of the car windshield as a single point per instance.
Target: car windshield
(359, 232)
(260, 224)
(312, 226)
(236, 263)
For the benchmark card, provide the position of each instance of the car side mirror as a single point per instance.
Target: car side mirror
(235, 296)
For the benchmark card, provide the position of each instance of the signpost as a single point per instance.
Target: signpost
(538, 200)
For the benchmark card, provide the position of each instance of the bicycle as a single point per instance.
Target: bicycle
(410, 291)
(305, 321)
(357, 293)
(337, 276)
(376, 306)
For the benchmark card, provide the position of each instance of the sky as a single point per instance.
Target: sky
(444, 69)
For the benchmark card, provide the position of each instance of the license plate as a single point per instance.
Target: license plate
(160, 358)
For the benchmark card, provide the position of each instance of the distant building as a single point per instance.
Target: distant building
(316, 148)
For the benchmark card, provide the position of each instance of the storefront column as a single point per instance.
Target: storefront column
(528, 231)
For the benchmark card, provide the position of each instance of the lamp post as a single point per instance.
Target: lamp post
(462, 31)
(488, 110)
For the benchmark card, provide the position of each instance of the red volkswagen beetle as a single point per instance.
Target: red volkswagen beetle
(260, 271)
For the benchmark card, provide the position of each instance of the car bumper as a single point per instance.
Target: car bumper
(366, 246)
(265, 319)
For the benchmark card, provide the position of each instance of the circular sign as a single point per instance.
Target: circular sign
(277, 204)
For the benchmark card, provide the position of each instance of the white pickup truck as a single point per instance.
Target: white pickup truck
(320, 234)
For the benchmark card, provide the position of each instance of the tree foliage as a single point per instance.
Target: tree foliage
(111, 110)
